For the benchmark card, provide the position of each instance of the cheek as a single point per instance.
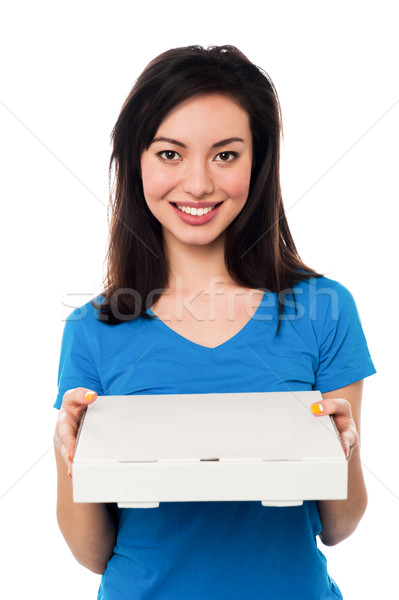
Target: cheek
(156, 182)
(237, 184)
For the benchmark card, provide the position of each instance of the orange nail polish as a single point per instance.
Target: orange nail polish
(89, 395)
(316, 409)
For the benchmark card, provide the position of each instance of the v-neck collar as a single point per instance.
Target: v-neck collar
(235, 338)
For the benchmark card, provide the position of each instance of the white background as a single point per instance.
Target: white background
(66, 68)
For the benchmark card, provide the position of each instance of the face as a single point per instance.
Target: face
(200, 160)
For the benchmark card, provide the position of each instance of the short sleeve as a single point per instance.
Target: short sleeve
(344, 356)
(78, 366)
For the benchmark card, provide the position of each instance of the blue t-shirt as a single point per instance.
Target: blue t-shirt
(220, 550)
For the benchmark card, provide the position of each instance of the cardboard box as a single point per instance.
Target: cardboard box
(141, 450)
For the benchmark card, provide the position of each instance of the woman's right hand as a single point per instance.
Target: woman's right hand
(73, 406)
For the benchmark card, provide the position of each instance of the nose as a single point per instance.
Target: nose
(197, 180)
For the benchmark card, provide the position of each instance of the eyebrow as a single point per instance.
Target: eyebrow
(216, 145)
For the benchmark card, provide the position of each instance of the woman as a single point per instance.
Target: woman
(205, 292)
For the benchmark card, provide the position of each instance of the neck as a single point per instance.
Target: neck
(197, 267)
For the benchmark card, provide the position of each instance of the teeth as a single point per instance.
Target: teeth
(198, 212)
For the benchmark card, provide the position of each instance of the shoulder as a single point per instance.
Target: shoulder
(84, 316)
(318, 305)
(320, 285)
(84, 323)
(84, 312)
(318, 296)
(89, 322)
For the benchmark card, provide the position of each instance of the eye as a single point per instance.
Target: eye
(169, 155)
(226, 157)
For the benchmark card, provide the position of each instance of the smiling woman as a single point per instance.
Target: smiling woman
(220, 95)
(197, 204)
(201, 169)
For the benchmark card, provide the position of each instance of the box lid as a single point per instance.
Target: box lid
(193, 427)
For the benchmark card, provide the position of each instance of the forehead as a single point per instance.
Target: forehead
(213, 114)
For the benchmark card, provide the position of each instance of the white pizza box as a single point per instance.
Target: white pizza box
(140, 450)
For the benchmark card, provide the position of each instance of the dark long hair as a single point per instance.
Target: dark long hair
(259, 250)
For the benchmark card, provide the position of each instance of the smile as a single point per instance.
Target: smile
(196, 216)
(195, 211)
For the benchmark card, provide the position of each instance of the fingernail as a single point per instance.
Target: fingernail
(89, 395)
(316, 408)
(70, 472)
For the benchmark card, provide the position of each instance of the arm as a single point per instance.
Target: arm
(340, 517)
(89, 529)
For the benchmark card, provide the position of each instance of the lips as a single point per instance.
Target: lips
(196, 219)
(196, 204)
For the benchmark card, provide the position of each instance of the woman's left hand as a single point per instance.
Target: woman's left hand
(340, 410)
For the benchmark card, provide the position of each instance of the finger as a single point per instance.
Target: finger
(65, 449)
(332, 406)
(66, 432)
(77, 399)
(65, 439)
(340, 410)
(67, 424)
(74, 403)
(349, 439)
(66, 459)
